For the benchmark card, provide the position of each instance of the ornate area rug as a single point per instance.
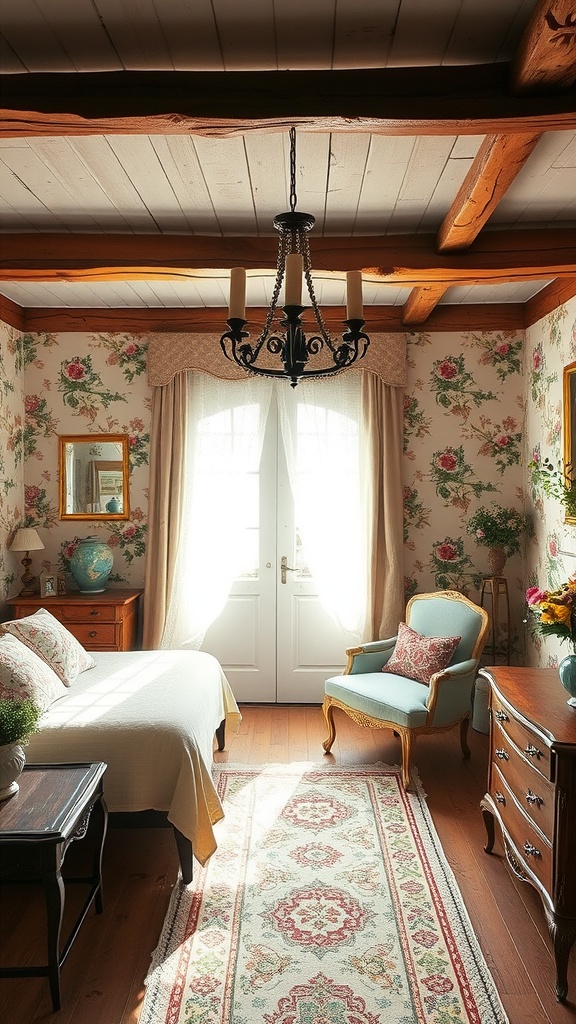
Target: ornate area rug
(328, 901)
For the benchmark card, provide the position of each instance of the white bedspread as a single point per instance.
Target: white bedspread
(151, 716)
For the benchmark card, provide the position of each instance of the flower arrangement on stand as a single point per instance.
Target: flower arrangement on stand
(500, 529)
(556, 611)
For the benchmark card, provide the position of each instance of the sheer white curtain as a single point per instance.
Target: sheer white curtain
(321, 430)
(224, 444)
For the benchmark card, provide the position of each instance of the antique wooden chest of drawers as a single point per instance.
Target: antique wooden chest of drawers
(532, 793)
(101, 622)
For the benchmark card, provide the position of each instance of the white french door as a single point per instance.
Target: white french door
(274, 638)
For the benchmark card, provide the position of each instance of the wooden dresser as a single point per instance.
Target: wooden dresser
(101, 622)
(532, 793)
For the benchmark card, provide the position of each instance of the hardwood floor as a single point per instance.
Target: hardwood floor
(103, 977)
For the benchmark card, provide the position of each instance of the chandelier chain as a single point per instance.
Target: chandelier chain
(293, 196)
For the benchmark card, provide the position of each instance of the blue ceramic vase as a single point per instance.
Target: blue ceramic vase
(567, 673)
(91, 564)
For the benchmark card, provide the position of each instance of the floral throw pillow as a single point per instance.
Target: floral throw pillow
(52, 642)
(25, 675)
(419, 657)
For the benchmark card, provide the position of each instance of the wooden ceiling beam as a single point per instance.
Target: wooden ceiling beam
(496, 256)
(446, 100)
(545, 55)
(493, 170)
(494, 317)
(544, 60)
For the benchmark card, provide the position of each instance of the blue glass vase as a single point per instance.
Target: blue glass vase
(567, 673)
(91, 564)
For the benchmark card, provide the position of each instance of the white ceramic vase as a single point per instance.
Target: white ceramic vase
(12, 761)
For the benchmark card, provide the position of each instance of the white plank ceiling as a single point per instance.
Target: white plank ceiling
(354, 184)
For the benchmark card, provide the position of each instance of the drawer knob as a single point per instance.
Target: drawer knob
(533, 799)
(92, 633)
(499, 798)
(532, 751)
(503, 755)
(502, 716)
(531, 851)
(94, 612)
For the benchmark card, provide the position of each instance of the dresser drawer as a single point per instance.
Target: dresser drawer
(94, 635)
(78, 613)
(529, 743)
(101, 622)
(534, 849)
(533, 792)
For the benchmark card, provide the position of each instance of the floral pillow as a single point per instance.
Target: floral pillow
(52, 642)
(23, 672)
(419, 657)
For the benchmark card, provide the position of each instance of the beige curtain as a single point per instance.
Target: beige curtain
(167, 455)
(383, 488)
(383, 412)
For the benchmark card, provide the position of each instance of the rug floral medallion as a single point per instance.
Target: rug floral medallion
(328, 901)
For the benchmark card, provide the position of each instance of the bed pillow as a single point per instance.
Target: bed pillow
(419, 657)
(52, 642)
(22, 671)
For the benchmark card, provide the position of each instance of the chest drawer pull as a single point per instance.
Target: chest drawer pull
(92, 633)
(499, 797)
(533, 799)
(503, 755)
(532, 751)
(95, 611)
(501, 716)
(531, 851)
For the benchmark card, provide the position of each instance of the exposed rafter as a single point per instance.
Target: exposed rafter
(392, 101)
(544, 61)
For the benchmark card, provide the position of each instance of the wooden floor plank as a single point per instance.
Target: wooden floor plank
(103, 978)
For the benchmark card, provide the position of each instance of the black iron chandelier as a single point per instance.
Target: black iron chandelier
(291, 344)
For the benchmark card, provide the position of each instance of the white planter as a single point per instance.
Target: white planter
(480, 716)
(12, 761)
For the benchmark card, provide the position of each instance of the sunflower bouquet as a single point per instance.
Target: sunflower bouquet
(556, 610)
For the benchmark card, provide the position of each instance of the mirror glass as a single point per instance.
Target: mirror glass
(94, 476)
(569, 428)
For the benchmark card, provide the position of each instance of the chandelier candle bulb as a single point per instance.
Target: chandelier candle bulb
(293, 285)
(237, 305)
(354, 304)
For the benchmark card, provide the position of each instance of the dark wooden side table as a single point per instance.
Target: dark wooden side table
(54, 806)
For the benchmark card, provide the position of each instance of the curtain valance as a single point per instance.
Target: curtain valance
(169, 354)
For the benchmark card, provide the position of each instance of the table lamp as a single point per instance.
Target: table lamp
(26, 539)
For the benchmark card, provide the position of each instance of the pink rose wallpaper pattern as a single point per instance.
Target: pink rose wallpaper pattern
(478, 407)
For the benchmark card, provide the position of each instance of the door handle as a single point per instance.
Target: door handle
(284, 568)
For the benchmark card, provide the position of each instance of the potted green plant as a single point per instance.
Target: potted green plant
(500, 530)
(19, 718)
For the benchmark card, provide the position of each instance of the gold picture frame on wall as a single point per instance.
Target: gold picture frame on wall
(94, 476)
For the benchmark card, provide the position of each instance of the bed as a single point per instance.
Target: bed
(151, 716)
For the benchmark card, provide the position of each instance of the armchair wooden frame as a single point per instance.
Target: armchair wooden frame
(376, 654)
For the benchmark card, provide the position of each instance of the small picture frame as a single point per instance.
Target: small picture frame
(61, 583)
(48, 584)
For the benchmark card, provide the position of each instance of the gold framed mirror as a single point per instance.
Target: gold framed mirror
(94, 476)
(569, 430)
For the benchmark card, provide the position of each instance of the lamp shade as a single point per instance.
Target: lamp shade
(26, 539)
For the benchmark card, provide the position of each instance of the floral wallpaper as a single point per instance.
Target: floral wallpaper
(551, 553)
(71, 384)
(478, 406)
(463, 429)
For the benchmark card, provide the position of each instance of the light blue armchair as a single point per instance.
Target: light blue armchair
(386, 700)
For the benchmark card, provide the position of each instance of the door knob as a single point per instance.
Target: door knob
(284, 568)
